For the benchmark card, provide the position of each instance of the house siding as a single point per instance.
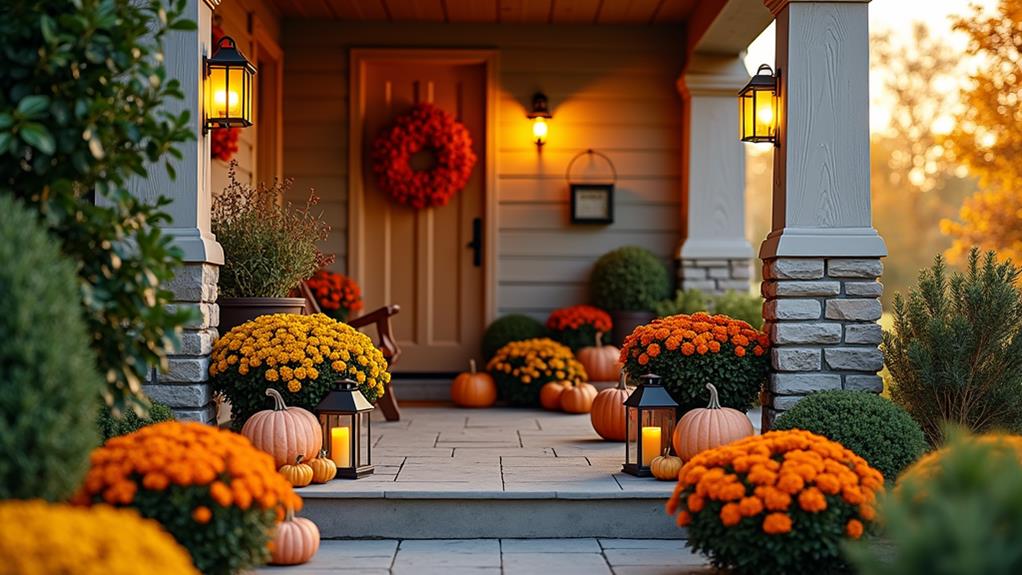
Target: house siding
(611, 88)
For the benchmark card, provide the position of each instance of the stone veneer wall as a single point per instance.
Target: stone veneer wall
(821, 316)
(714, 276)
(185, 385)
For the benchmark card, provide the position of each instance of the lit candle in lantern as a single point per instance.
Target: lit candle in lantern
(650, 444)
(340, 450)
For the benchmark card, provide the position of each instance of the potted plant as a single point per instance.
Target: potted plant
(522, 368)
(628, 282)
(270, 246)
(337, 294)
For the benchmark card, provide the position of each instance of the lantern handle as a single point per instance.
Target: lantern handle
(230, 42)
(765, 67)
(591, 152)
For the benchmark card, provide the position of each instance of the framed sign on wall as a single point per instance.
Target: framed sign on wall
(592, 199)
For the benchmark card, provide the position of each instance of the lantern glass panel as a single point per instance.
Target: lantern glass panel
(632, 437)
(364, 447)
(339, 438)
(765, 114)
(657, 426)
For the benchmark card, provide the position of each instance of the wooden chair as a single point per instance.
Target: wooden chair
(385, 341)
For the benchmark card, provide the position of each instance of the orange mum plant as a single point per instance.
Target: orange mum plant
(577, 326)
(219, 496)
(690, 351)
(337, 295)
(780, 503)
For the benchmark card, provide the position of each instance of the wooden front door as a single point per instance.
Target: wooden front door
(421, 259)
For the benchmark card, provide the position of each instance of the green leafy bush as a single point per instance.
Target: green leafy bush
(513, 327)
(956, 349)
(82, 91)
(269, 247)
(871, 426)
(739, 305)
(50, 385)
(628, 279)
(129, 421)
(962, 516)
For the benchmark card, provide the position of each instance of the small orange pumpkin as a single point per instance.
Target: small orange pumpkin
(665, 467)
(295, 541)
(578, 397)
(600, 361)
(299, 474)
(709, 427)
(284, 432)
(609, 412)
(323, 468)
(473, 388)
(550, 395)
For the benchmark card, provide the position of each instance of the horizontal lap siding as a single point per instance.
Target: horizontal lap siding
(610, 88)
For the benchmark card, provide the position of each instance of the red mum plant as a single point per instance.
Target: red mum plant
(577, 326)
(337, 294)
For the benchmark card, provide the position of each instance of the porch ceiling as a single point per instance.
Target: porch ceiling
(493, 11)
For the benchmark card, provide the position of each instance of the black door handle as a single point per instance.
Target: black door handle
(477, 242)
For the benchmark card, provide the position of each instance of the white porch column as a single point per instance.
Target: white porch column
(822, 259)
(185, 385)
(714, 255)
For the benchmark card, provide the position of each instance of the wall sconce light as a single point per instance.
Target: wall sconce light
(228, 87)
(759, 105)
(539, 115)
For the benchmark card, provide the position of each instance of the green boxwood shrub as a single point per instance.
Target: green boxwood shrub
(129, 421)
(50, 384)
(513, 327)
(874, 428)
(955, 352)
(739, 305)
(628, 279)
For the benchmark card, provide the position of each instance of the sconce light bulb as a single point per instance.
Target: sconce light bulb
(539, 130)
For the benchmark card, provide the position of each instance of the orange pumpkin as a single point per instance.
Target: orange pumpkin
(709, 427)
(550, 395)
(323, 468)
(600, 361)
(295, 541)
(608, 414)
(299, 474)
(473, 388)
(665, 467)
(578, 397)
(284, 432)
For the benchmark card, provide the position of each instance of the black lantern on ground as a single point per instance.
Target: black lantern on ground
(228, 88)
(344, 417)
(539, 114)
(649, 423)
(759, 107)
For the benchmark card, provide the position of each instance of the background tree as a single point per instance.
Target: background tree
(986, 135)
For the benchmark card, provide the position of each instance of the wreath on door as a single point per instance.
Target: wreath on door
(424, 128)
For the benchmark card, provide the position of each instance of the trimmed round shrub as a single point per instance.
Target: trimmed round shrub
(521, 368)
(50, 384)
(129, 421)
(690, 351)
(514, 327)
(884, 434)
(37, 537)
(629, 279)
(774, 504)
(217, 494)
(301, 356)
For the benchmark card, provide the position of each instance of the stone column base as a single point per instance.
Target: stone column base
(185, 385)
(821, 315)
(714, 276)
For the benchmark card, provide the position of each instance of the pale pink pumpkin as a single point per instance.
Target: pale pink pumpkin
(295, 541)
(705, 428)
(284, 432)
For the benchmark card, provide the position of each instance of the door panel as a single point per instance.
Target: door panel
(420, 259)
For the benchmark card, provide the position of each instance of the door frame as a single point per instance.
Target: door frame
(359, 59)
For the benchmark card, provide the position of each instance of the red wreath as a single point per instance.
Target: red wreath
(423, 128)
(223, 142)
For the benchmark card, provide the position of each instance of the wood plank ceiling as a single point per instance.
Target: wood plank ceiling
(493, 11)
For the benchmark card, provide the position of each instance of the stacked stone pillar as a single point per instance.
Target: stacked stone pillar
(821, 261)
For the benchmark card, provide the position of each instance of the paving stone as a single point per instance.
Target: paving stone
(448, 553)
(509, 546)
(560, 563)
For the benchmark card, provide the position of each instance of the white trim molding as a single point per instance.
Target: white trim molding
(775, 6)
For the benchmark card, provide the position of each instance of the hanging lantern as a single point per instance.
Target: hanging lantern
(229, 80)
(344, 417)
(759, 105)
(649, 423)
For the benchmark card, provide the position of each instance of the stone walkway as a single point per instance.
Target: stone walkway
(501, 556)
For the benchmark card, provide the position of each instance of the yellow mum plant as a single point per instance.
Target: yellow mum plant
(301, 356)
(520, 368)
(38, 538)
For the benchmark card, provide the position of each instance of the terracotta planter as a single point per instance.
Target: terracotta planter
(235, 311)
(626, 321)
